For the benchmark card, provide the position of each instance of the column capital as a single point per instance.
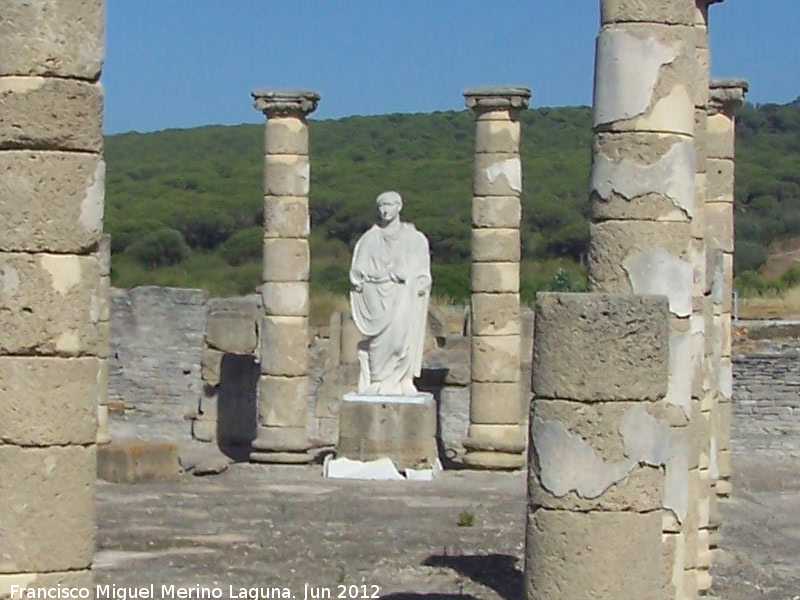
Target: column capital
(497, 98)
(726, 95)
(284, 102)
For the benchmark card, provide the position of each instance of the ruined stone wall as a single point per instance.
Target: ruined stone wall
(766, 400)
(158, 336)
(156, 346)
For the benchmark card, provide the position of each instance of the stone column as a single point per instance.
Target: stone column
(283, 386)
(104, 260)
(698, 523)
(726, 95)
(495, 439)
(602, 454)
(644, 197)
(53, 306)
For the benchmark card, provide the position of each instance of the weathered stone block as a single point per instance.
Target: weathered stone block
(701, 76)
(495, 245)
(496, 437)
(282, 401)
(719, 137)
(281, 439)
(36, 389)
(495, 277)
(285, 298)
(402, 431)
(286, 175)
(607, 456)
(643, 176)
(498, 137)
(600, 347)
(286, 217)
(497, 212)
(624, 260)
(492, 460)
(495, 358)
(454, 407)
(495, 314)
(50, 114)
(582, 555)
(643, 78)
(138, 462)
(231, 332)
(284, 346)
(497, 175)
(727, 283)
(211, 366)
(624, 11)
(719, 185)
(286, 260)
(52, 37)
(286, 135)
(495, 403)
(51, 201)
(40, 487)
(51, 304)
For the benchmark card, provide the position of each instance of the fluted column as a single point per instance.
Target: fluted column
(643, 204)
(495, 439)
(283, 386)
(53, 304)
(726, 95)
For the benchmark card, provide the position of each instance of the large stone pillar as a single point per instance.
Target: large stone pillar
(495, 439)
(602, 454)
(283, 386)
(726, 95)
(698, 524)
(53, 305)
(644, 203)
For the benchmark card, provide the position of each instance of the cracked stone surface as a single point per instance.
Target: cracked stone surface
(287, 526)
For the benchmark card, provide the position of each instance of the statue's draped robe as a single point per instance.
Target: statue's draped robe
(391, 314)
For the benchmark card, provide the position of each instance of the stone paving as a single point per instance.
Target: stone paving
(460, 536)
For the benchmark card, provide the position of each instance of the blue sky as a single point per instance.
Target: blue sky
(185, 63)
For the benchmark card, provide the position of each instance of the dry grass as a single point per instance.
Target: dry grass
(784, 305)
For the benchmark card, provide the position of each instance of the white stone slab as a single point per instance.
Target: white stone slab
(345, 468)
(420, 398)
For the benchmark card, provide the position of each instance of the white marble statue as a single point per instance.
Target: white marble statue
(391, 282)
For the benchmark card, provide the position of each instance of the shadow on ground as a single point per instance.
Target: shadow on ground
(496, 571)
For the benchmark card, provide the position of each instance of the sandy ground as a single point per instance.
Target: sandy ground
(460, 536)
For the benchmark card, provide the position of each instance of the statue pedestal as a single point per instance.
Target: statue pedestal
(401, 428)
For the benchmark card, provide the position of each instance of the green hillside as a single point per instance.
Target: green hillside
(184, 206)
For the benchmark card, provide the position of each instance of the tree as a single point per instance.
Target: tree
(164, 246)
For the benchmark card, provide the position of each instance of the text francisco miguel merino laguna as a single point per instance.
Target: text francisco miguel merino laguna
(197, 592)
(149, 591)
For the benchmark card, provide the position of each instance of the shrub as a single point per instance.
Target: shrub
(165, 246)
(243, 247)
(749, 256)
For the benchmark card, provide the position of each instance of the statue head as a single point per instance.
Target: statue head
(389, 206)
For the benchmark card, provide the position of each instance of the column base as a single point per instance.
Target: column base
(281, 458)
(497, 461)
(281, 445)
(499, 447)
